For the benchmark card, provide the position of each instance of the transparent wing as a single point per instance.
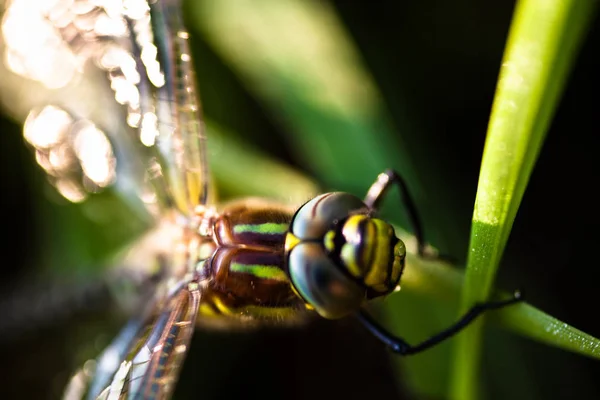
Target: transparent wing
(145, 359)
(111, 85)
(181, 138)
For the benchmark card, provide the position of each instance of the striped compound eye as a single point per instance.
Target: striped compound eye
(356, 259)
(371, 253)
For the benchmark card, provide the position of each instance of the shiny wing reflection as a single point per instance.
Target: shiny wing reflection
(117, 69)
(106, 90)
(144, 360)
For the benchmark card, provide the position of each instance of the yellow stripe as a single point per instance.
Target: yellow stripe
(329, 241)
(291, 241)
(206, 310)
(369, 241)
(348, 252)
(378, 273)
(264, 228)
(260, 271)
(348, 256)
(222, 307)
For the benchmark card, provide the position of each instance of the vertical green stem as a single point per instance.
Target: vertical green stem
(542, 45)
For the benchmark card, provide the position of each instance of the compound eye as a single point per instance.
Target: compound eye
(321, 283)
(316, 217)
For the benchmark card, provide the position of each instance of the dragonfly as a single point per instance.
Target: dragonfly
(132, 121)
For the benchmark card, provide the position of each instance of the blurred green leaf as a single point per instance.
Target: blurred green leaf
(541, 48)
(233, 161)
(533, 323)
(298, 60)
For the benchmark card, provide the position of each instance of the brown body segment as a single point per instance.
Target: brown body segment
(247, 267)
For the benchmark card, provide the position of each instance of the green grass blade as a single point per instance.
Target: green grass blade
(542, 44)
(533, 323)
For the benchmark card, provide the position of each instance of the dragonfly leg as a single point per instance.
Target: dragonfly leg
(378, 191)
(400, 346)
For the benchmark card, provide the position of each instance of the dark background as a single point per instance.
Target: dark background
(445, 58)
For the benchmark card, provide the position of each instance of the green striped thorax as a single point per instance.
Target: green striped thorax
(339, 256)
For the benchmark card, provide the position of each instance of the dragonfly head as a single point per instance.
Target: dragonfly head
(339, 255)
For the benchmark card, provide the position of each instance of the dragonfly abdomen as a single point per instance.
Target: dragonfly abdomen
(253, 223)
(246, 271)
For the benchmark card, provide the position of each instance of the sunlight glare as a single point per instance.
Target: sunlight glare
(95, 153)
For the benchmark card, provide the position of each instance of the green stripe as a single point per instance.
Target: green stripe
(267, 227)
(260, 271)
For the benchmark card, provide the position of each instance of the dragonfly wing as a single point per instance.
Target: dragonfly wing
(94, 382)
(181, 138)
(144, 361)
(125, 68)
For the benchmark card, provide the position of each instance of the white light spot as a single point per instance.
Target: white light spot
(149, 129)
(47, 127)
(70, 190)
(95, 154)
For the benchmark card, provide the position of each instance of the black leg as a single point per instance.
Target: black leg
(377, 192)
(400, 346)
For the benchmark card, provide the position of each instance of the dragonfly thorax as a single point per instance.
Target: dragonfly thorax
(338, 255)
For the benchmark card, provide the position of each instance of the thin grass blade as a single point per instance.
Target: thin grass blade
(543, 42)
